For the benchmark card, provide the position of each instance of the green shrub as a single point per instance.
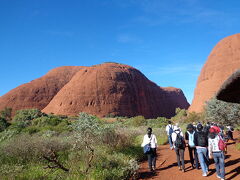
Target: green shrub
(194, 117)
(157, 123)
(20, 125)
(28, 148)
(181, 115)
(114, 166)
(136, 121)
(8, 134)
(6, 114)
(31, 130)
(3, 124)
(222, 112)
(88, 147)
(49, 120)
(27, 115)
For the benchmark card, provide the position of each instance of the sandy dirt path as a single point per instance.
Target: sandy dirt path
(167, 169)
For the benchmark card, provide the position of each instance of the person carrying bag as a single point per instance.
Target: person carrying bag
(149, 145)
(216, 149)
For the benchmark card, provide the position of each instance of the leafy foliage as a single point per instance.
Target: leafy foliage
(222, 112)
(136, 121)
(27, 115)
(6, 114)
(41, 146)
(3, 124)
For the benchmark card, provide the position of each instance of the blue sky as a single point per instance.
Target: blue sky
(169, 41)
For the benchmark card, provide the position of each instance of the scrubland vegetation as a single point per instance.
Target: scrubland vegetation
(34, 145)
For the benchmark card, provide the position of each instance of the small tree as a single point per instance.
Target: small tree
(6, 114)
(3, 124)
(87, 133)
(222, 112)
(27, 115)
(26, 148)
(181, 115)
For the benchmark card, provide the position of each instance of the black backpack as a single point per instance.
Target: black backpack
(179, 143)
(201, 139)
(206, 129)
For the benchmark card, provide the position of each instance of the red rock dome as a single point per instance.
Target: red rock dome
(101, 90)
(222, 62)
(116, 89)
(38, 93)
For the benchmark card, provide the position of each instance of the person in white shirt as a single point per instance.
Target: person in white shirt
(169, 130)
(179, 146)
(217, 154)
(151, 139)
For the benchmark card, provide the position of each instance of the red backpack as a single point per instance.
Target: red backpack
(221, 144)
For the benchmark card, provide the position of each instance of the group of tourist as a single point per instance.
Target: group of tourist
(203, 143)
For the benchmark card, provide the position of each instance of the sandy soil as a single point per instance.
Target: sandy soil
(167, 169)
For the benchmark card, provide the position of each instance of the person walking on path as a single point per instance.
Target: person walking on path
(230, 132)
(189, 137)
(201, 143)
(169, 130)
(151, 139)
(179, 147)
(218, 154)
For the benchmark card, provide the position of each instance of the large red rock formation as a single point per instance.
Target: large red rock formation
(115, 89)
(38, 93)
(101, 90)
(222, 62)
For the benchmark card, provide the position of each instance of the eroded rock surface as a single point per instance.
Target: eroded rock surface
(101, 90)
(39, 92)
(222, 62)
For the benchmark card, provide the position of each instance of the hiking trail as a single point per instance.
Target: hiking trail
(167, 169)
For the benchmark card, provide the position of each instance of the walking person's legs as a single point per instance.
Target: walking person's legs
(217, 163)
(190, 150)
(201, 157)
(222, 165)
(206, 158)
(149, 156)
(154, 158)
(170, 141)
(181, 152)
(178, 157)
(196, 158)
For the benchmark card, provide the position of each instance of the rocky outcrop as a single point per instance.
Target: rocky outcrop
(100, 90)
(115, 89)
(230, 90)
(38, 93)
(222, 62)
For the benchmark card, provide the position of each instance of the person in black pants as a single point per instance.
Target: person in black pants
(179, 147)
(151, 139)
(189, 137)
(201, 143)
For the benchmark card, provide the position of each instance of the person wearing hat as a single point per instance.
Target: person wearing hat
(218, 155)
(201, 143)
(189, 137)
(179, 146)
(151, 139)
